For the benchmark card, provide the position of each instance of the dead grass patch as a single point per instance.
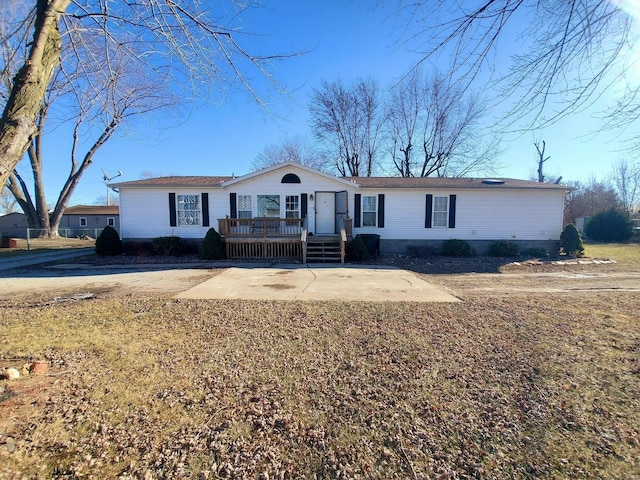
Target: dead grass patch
(627, 255)
(496, 387)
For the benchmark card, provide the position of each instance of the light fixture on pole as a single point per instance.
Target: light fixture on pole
(107, 179)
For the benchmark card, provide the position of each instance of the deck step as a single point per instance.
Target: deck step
(323, 252)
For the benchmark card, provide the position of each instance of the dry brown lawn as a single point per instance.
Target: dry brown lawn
(519, 386)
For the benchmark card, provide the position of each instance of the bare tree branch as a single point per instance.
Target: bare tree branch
(181, 44)
(573, 49)
(348, 121)
(434, 128)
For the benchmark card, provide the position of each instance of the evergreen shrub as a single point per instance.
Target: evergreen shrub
(357, 250)
(212, 247)
(571, 242)
(610, 226)
(108, 242)
(167, 245)
(456, 248)
(504, 248)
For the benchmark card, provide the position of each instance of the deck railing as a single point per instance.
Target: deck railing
(260, 227)
(303, 239)
(343, 240)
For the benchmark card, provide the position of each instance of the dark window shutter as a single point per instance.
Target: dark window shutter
(172, 210)
(428, 211)
(303, 205)
(233, 205)
(452, 211)
(205, 209)
(356, 210)
(381, 210)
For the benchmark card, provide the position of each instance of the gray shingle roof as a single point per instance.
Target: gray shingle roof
(177, 181)
(364, 182)
(445, 182)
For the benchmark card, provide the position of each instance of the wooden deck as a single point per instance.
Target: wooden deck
(260, 247)
(279, 238)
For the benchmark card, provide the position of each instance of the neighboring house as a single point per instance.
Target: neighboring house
(90, 219)
(13, 225)
(76, 221)
(410, 215)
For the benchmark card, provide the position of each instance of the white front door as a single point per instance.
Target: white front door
(325, 213)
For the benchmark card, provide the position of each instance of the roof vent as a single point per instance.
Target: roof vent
(493, 181)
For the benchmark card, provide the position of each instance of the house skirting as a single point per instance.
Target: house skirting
(423, 248)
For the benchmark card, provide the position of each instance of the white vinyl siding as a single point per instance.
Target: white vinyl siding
(271, 182)
(515, 214)
(369, 210)
(188, 210)
(244, 206)
(481, 213)
(440, 211)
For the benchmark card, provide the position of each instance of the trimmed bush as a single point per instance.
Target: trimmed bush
(456, 248)
(212, 247)
(167, 245)
(504, 248)
(571, 242)
(138, 248)
(108, 242)
(610, 226)
(537, 252)
(357, 250)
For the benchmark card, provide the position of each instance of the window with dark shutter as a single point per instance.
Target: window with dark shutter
(205, 209)
(452, 211)
(303, 205)
(172, 210)
(233, 205)
(381, 210)
(428, 212)
(357, 202)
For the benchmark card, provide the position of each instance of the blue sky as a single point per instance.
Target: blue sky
(344, 39)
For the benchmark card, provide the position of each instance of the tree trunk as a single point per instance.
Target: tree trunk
(18, 123)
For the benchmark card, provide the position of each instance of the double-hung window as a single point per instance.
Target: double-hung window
(369, 210)
(292, 206)
(188, 210)
(440, 211)
(244, 206)
(83, 221)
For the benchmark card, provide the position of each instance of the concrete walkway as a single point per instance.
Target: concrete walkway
(27, 259)
(244, 281)
(319, 282)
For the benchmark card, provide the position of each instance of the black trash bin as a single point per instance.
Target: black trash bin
(372, 241)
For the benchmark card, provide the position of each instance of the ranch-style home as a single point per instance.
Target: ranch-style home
(290, 210)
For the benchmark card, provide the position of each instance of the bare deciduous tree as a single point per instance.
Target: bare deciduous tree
(435, 128)
(626, 179)
(586, 200)
(174, 42)
(296, 149)
(7, 201)
(541, 158)
(97, 102)
(347, 121)
(573, 49)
